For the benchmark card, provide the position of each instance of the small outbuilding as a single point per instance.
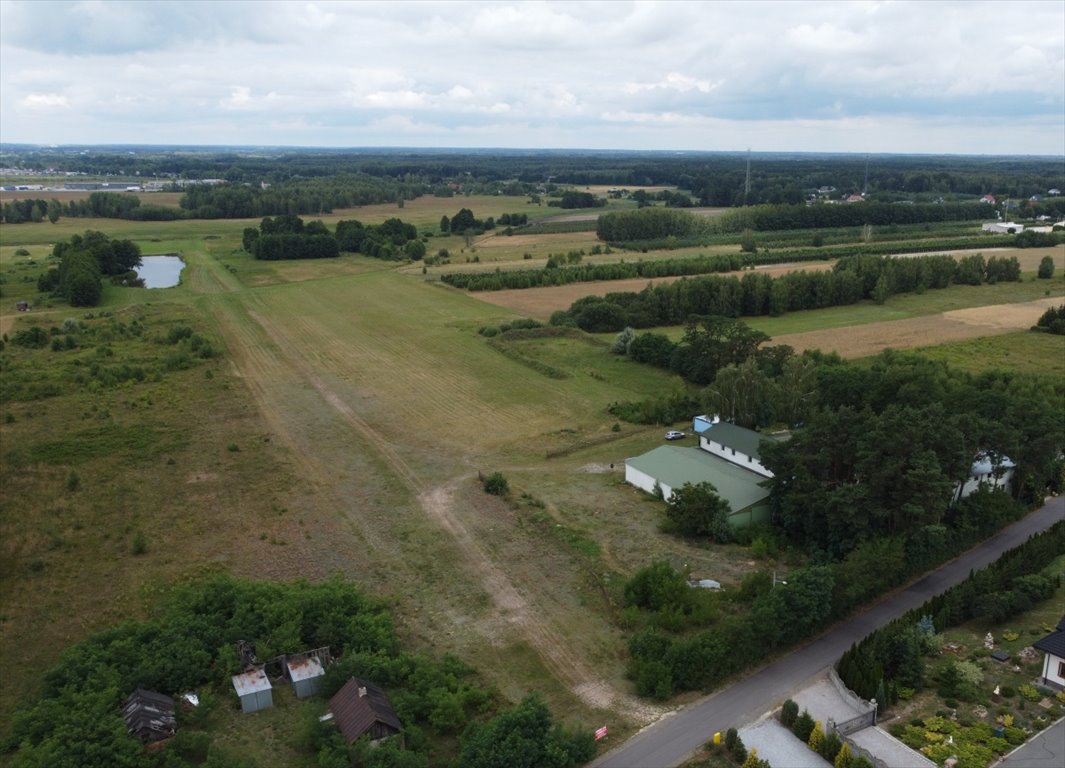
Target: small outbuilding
(254, 689)
(305, 672)
(149, 715)
(360, 709)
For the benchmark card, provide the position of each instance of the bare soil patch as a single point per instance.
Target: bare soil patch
(956, 325)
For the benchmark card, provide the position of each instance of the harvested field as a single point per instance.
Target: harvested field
(956, 325)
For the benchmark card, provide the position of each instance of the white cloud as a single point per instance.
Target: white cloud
(674, 81)
(44, 101)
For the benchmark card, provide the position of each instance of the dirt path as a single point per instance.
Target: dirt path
(264, 353)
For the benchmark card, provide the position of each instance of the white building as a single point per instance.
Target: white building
(1003, 228)
(993, 472)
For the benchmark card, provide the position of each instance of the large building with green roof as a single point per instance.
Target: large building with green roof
(669, 467)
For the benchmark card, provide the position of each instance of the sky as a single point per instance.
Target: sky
(909, 77)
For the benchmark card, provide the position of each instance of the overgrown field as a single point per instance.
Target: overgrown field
(285, 420)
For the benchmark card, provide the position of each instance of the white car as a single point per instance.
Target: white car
(673, 435)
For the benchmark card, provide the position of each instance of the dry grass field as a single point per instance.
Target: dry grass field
(341, 429)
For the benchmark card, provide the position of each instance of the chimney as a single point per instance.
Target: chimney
(362, 692)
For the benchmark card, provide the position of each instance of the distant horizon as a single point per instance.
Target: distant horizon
(13, 145)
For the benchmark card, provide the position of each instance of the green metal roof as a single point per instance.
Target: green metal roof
(674, 466)
(742, 439)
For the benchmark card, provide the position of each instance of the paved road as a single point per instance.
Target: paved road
(670, 741)
(1047, 750)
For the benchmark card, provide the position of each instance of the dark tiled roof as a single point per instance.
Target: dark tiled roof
(356, 714)
(1054, 643)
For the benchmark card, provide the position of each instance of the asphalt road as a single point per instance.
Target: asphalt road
(1047, 750)
(672, 740)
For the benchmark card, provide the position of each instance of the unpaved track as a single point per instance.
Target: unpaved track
(265, 354)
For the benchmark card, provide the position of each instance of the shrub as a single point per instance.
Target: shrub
(739, 750)
(789, 712)
(139, 545)
(72, 481)
(803, 726)
(830, 747)
(730, 738)
(1029, 692)
(1046, 268)
(817, 737)
(496, 484)
(844, 759)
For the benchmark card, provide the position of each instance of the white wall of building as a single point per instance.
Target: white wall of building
(1052, 669)
(733, 456)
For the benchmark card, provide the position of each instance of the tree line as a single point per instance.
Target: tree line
(851, 280)
(649, 224)
(289, 237)
(713, 178)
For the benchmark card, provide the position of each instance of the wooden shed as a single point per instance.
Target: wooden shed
(360, 709)
(149, 715)
(254, 689)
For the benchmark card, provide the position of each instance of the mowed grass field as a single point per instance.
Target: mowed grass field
(341, 429)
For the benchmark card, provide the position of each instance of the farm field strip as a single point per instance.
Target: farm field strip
(956, 325)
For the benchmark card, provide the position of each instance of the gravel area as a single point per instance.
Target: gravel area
(886, 747)
(824, 702)
(779, 746)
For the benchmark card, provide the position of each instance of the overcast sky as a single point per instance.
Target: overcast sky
(936, 77)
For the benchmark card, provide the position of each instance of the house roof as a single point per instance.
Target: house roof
(1054, 643)
(360, 704)
(250, 682)
(740, 438)
(674, 466)
(149, 715)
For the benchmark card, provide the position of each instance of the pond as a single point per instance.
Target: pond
(163, 271)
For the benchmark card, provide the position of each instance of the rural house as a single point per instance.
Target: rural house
(149, 715)
(990, 471)
(727, 458)
(360, 709)
(1053, 648)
